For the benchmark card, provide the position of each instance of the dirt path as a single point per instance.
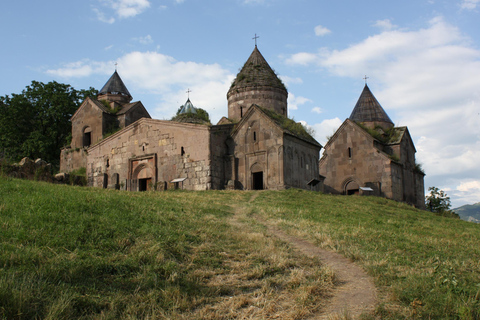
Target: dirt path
(355, 292)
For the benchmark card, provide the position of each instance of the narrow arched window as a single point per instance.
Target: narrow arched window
(254, 136)
(349, 153)
(87, 137)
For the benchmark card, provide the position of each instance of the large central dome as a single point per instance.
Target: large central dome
(256, 83)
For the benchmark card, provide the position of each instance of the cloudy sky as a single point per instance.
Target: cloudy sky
(421, 57)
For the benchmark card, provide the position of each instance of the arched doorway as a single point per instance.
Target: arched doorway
(352, 188)
(257, 177)
(143, 174)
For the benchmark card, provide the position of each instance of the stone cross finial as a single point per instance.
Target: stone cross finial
(188, 93)
(255, 38)
(365, 78)
(116, 64)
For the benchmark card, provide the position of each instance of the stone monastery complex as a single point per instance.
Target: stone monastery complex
(256, 147)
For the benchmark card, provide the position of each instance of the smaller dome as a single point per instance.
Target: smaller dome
(188, 108)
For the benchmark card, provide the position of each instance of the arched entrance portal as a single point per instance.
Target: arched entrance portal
(257, 177)
(144, 176)
(352, 188)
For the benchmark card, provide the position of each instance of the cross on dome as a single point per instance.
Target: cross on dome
(255, 38)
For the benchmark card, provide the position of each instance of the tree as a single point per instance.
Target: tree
(36, 123)
(437, 201)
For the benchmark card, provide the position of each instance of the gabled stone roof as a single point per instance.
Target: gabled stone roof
(287, 125)
(368, 109)
(257, 73)
(115, 85)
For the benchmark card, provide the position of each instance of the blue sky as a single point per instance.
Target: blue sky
(422, 58)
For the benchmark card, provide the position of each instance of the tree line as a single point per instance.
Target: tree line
(36, 122)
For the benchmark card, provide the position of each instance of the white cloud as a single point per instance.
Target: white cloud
(101, 16)
(129, 8)
(144, 40)
(289, 80)
(294, 102)
(302, 58)
(317, 110)
(469, 4)
(385, 24)
(122, 9)
(428, 79)
(326, 129)
(164, 79)
(321, 31)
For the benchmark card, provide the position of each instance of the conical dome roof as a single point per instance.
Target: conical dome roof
(188, 108)
(115, 85)
(368, 110)
(256, 72)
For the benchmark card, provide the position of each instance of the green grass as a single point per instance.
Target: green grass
(426, 266)
(83, 253)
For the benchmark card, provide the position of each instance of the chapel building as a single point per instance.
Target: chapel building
(256, 147)
(369, 155)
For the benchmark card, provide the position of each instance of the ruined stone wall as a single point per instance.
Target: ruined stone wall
(351, 157)
(72, 159)
(154, 149)
(300, 163)
(240, 101)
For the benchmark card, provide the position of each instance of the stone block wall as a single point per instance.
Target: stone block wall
(181, 151)
(88, 115)
(300, 163)
(351, 156)
(267, 97)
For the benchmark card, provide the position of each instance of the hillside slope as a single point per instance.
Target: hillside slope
(70, 252)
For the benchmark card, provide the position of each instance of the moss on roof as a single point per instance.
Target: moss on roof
(290, 126)
(388, 137)
(257, 72)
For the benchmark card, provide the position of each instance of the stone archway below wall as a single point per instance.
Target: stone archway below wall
(257, 177)
(143, 173)
(352, 187)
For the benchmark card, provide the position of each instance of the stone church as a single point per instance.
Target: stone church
(369, 155)
(256, 147)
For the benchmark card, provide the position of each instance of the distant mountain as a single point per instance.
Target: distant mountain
(469, 212)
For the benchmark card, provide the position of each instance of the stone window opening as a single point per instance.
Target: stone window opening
(349, 153)
(108, 163)
(254, 136)
(87, 137)
(182, 151)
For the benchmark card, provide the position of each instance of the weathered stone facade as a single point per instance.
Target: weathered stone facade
(372, 157)
(269, 157)
(254, 149)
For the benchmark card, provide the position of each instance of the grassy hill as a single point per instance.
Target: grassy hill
(83, 253)
(469, 212)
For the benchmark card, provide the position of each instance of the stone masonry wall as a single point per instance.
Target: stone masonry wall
(300, 163)
(269, 98)
(180, 151)
(352, 157)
